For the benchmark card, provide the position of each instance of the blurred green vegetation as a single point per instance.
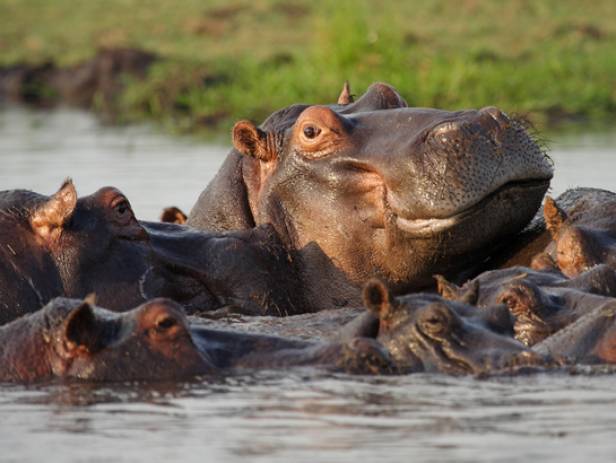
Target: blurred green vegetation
(550, 60)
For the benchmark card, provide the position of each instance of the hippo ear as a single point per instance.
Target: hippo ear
(467, 294)
(173, 215)
(345, 97)
(554, 216)
(54, 213)
(377, 298)
(250, 140)
(81, 329)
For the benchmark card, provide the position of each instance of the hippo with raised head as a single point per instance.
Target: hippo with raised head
(61, 245)
(540, 302)
(424, 332)
(72, 338)
(375, 188)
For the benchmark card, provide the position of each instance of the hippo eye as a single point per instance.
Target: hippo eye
(120, 205)
(165, 323)
(122, 208)
(311, 132)
(435, 322)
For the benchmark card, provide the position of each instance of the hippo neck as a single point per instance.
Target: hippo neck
(224, 204)
(325, 285)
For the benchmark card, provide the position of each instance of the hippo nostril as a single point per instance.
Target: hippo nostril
(445, 129)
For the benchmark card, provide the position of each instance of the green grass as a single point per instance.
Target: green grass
(550, 60)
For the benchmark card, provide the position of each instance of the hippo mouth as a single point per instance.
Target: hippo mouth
(429, 227)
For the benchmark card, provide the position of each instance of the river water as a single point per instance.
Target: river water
(296, 415)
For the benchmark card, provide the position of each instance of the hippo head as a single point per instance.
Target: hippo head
(426, 332)
(581, 240)
(62, 245)
(151, 342)
(384, 189)
(94, 241)
(531, 308)
(591, 339)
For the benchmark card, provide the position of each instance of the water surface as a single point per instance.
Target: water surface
(297, 415)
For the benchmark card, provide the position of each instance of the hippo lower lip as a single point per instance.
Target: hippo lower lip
(430, 227)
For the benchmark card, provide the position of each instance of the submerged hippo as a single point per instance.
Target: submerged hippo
(589, 340)
(541, 303)
(61, 245)
(374, 188)
(582, 225)
(424, 332)
(71, 338)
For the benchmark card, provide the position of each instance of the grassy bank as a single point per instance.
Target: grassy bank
(551, 60)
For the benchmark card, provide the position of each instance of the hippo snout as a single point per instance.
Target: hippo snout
(489, 122)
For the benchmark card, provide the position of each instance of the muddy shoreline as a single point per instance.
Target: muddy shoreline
(94, 84)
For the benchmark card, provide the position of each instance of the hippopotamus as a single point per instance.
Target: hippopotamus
(590, 339)
(425, 332)
(74, 339)
(71, 338)
(540, 302)
(62, 245)
(582, 226)
(373, 188)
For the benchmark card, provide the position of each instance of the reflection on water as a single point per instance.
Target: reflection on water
(298, 415)
(304, 416)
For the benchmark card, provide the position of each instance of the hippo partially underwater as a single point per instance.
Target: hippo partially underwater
(373, 188)
(307, 209)
(302, 212)
(74, 339)
(61, 245)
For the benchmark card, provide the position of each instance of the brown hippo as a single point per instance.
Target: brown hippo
(374, 188)
(64, 246)
(424, 332)
(582, 225)
(71, 338)
(541, 303)
(590, 339)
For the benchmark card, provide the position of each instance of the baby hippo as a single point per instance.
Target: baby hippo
(424, 332)
(72, 338)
